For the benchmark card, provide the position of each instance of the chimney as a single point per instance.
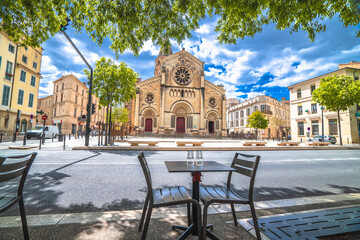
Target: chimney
(138, 80)
(283, 99)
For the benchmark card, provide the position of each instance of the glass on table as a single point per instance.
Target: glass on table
(190, 158)
(199, 158)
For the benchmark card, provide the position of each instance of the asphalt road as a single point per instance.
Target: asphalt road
(83, 181)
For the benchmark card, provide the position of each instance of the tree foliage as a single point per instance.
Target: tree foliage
(257, 120)
(113, 84)
(129, 23)
(120, 115)
(337, 93)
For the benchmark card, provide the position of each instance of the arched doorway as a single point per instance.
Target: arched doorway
(148, 125)
(211, 127)
(180, 124)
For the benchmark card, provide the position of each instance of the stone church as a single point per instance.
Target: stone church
(178, 99)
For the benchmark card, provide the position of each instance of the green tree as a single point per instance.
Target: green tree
(257, 120)
(337, 93)
(120, 115)
(129, 23)
(113, 84)
(280, 124)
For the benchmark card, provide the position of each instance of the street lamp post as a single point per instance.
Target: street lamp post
(322, 123)
(88, 106)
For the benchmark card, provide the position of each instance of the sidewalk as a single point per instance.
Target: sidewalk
(123, 224)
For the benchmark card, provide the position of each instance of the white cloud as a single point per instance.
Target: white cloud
(355, 49)
(204, 29)
(150, 47)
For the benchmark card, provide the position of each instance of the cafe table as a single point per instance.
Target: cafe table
(195, 170)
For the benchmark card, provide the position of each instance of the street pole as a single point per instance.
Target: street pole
(88, 107)
(322, 123)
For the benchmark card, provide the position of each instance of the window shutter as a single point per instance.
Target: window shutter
(172, 121)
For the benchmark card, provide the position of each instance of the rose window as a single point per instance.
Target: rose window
(182, 75)
(212, 102)
(149, 98)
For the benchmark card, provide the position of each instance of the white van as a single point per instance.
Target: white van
(37, 132)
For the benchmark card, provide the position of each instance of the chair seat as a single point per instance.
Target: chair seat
(6, 202)
(171, 195)
(219, 194)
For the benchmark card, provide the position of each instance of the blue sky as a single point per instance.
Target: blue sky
(265, 64)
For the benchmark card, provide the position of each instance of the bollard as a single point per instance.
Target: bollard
(64, 143)
(0, 137)
(300, 140)
(69, 136)
(40, 140)
(273, 139)
(52, 137)
(348, 140)
(24, 141)
(43, 139)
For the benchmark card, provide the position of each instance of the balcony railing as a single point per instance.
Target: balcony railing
(266, 112)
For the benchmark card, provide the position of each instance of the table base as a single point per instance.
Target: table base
(190, 230)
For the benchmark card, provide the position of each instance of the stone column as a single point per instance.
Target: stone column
(137, 108)
(162, 103)
(202, 106)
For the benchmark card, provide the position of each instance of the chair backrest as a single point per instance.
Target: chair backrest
(245, 165)
(21, 168)
(147, 175)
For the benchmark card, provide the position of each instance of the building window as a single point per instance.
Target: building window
(77, 88)
(57, 88)
(11, 48)
(24, 59)
(31, 100)
(20, 97)
(54, 112)
(255, 108)
(33, 81)
(242, 113)
(315, 127)
(242, 122)
(247, 111)
(5, 95)
(62, 86)
(56, 99)
(82, 101)
(237, 115)
(34, 65)
(62, 97)
(312, 88)
(82, 92)
(314, 108)
(300, 111)
(75, 112)
(8, 73)
(22, 76)
(76, 99)
(299, 93)
(333, 127)
(300, 128)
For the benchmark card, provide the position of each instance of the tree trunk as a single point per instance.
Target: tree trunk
(106, 124)
(338, 113)
(110, 126)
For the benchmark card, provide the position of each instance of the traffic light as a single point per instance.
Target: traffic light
(63, 27)
(92, 108)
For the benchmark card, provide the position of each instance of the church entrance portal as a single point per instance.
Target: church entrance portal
(211, 127)
(180, 125)
(148, 125)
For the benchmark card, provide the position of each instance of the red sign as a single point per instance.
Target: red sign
(31, 116)
(44, 117)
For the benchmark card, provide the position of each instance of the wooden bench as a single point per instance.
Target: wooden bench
(318, 143)
(136, 143)
(195, 144)
(256, 143)
(288, 143)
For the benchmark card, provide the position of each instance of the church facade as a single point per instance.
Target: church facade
(178, 99)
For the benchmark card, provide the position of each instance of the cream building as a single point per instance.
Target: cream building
(178, 99)
(306, 117)
(69, 106)
(19, 85)
(278, 113)
(45, 104)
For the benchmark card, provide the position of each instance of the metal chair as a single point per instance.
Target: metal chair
(9, 172)
(164, 197)
(245, 165)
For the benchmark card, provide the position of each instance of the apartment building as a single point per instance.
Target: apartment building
(19, 85)
(69, 106)
(307, 116)
(278, 113)
(45, 104)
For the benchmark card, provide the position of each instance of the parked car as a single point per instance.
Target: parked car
(37, 132)
(327, 138)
